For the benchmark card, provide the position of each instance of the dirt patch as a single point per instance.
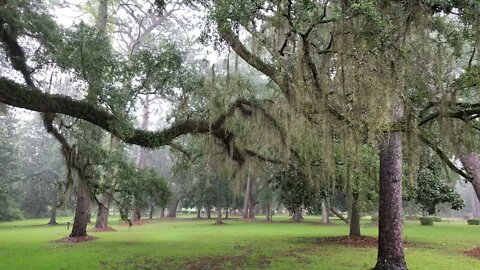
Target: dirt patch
(359, 241)
(75, 239)
(103, 229)
(474, 253)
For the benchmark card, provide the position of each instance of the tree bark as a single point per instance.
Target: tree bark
(471, 163)
(152, 209)
(103, 210)
(268, 212)
(354, 217)
(172, 208)
(339, 215)
(325, 219)
(82, 210)
(209, 212)
(198, 212)
(219, 214)
(53, 210)
(297, 215)
(162, 212)
(247, 200)
(390, 242)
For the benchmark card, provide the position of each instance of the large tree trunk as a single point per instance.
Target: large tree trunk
(325, 219)
(172, 208)
(354, 217)
(162, 212)
(471, 163)
(103, 209)
(53, 210)
(198, 212)
(82, 210)
(390, 242)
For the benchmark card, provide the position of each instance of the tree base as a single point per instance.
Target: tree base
(390, 266)
(52, 223)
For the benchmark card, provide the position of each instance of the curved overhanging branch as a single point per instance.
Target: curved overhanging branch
(423, 137)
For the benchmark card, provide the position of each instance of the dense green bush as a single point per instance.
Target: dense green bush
(437, 219)
(473, 221)
(426, 221)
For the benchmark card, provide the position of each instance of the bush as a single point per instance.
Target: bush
(437, 219)
(426, 221)
(473, 221)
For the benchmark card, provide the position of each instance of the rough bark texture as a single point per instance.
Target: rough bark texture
(354, 217)
(471, 164)
(82, 211)
(103, 206)
(390, 242)
(172, 208)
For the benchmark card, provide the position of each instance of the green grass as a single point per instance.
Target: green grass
(186, 243)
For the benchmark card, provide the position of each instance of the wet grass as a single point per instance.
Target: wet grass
(197, 244)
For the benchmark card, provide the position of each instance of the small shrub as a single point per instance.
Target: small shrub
(426, 221)
(437, 219)
(473, 221)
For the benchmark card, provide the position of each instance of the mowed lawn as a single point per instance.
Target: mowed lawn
(197, 244)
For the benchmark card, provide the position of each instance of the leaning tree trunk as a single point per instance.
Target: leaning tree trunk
(103, 210)
(82, 210)
(390, 243)
(354, 217)
(471, 163)
(53, 211)
(172, 208)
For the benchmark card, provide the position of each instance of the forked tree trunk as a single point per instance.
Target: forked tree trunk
(53, 210)
(390, 242)
(172, 208)
(82, 210)
(354, 217)
(103, 209)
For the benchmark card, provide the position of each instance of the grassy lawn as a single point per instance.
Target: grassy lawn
(197, 244)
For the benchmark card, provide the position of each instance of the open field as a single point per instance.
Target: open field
(186, 243)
